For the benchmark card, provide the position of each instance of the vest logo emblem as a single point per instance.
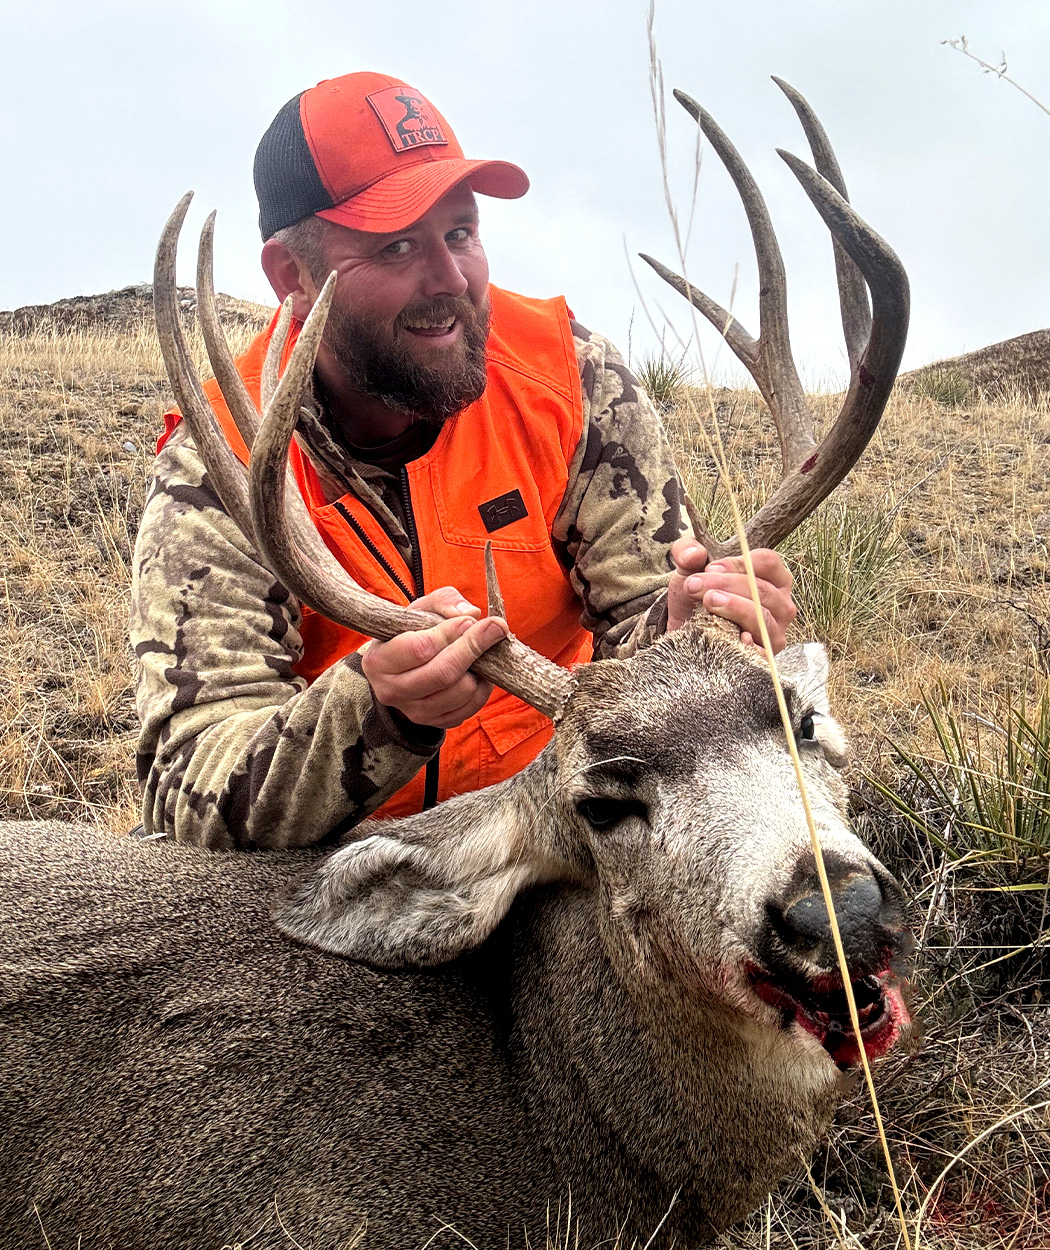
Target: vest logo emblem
(503, 510)
(408, 118)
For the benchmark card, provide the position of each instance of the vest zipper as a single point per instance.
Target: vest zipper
(433, 768)
(373, 550)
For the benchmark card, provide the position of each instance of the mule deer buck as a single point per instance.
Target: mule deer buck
(608, 982)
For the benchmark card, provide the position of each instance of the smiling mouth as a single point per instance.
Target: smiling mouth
(432, 329)
(821, 1009)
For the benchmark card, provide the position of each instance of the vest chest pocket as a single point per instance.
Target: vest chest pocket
(510, 739)
(490, 485)
(509, 515)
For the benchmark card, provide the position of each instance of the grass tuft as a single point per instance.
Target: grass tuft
(844, 560)
(978, 801)
(664, 379)
(944, 386)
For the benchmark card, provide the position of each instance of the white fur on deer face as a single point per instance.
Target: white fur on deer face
(669, 792)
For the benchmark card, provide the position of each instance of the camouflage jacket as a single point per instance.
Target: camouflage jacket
(235, 750)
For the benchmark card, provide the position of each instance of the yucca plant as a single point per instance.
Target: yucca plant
(980, 801)
(990, 783)
(944, 386)
(664, 378)
(842, 559)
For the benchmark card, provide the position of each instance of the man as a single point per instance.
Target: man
(444, 413)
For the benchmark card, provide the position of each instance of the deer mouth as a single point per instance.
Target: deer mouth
(821, 1009)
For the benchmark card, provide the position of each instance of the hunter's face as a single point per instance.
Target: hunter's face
(409, 319)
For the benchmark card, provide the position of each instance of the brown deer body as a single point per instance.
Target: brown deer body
(178, 1073)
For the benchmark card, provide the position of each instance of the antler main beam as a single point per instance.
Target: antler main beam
(258, 498)
(874, 338)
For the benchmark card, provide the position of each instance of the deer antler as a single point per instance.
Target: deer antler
(270, 515)
(874, 339)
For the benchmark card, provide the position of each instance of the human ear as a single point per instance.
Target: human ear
(289, 274)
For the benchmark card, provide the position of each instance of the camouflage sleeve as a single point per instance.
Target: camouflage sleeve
(622, 508)
(235, 750)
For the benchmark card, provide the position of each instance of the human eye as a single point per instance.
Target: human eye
(461, 234)
(400, 247)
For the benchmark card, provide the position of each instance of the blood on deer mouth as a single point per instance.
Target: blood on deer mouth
(820, 1007)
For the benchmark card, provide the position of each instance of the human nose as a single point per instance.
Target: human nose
(443, 275)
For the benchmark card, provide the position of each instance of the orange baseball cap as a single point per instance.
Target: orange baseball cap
(365, 151)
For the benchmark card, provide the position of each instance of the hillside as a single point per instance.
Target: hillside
(1017, 366)
(116, 312)
(927, 577)
(82, 391)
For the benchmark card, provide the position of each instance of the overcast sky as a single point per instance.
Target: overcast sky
(110, 110)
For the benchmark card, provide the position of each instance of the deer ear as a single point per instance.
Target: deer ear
(423, 889)
(805, 668)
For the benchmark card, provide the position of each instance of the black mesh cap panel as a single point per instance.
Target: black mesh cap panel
(287, 183)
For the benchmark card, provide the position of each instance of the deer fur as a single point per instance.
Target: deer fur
(493, 1015)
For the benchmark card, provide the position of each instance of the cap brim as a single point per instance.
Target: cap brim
(401, 198)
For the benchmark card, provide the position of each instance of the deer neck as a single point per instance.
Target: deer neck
(651, 1100)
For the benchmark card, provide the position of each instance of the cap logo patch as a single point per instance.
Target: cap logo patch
(408, 119)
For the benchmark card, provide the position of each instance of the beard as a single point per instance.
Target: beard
(381, 365)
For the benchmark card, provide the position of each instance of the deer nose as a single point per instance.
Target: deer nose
(868, 914)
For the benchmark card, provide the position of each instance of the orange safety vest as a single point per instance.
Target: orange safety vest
(501, 463)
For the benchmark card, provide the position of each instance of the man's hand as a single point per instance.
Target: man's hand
(424, 674)
(723, 590)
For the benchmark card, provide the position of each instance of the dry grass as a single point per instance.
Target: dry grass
(79, 414)
(961, 602)
(968, 491)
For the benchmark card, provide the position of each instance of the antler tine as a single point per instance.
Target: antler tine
(743, 345)
(801, 491)
(853, 294)
(246, 416)
(494, 594)
(789, 408)
(226, 471)
(271, 370)
(768, 359)
(298, 556)
(240, 403)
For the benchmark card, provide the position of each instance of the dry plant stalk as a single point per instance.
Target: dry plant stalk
(875, 343)
(962, 45)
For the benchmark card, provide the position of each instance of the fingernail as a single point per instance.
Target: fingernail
(494, 631)
(464, 606)
(694, 585)
(715, 600)
(715, 568)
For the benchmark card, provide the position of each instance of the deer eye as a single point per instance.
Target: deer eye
(604, 813)
(806, 730)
